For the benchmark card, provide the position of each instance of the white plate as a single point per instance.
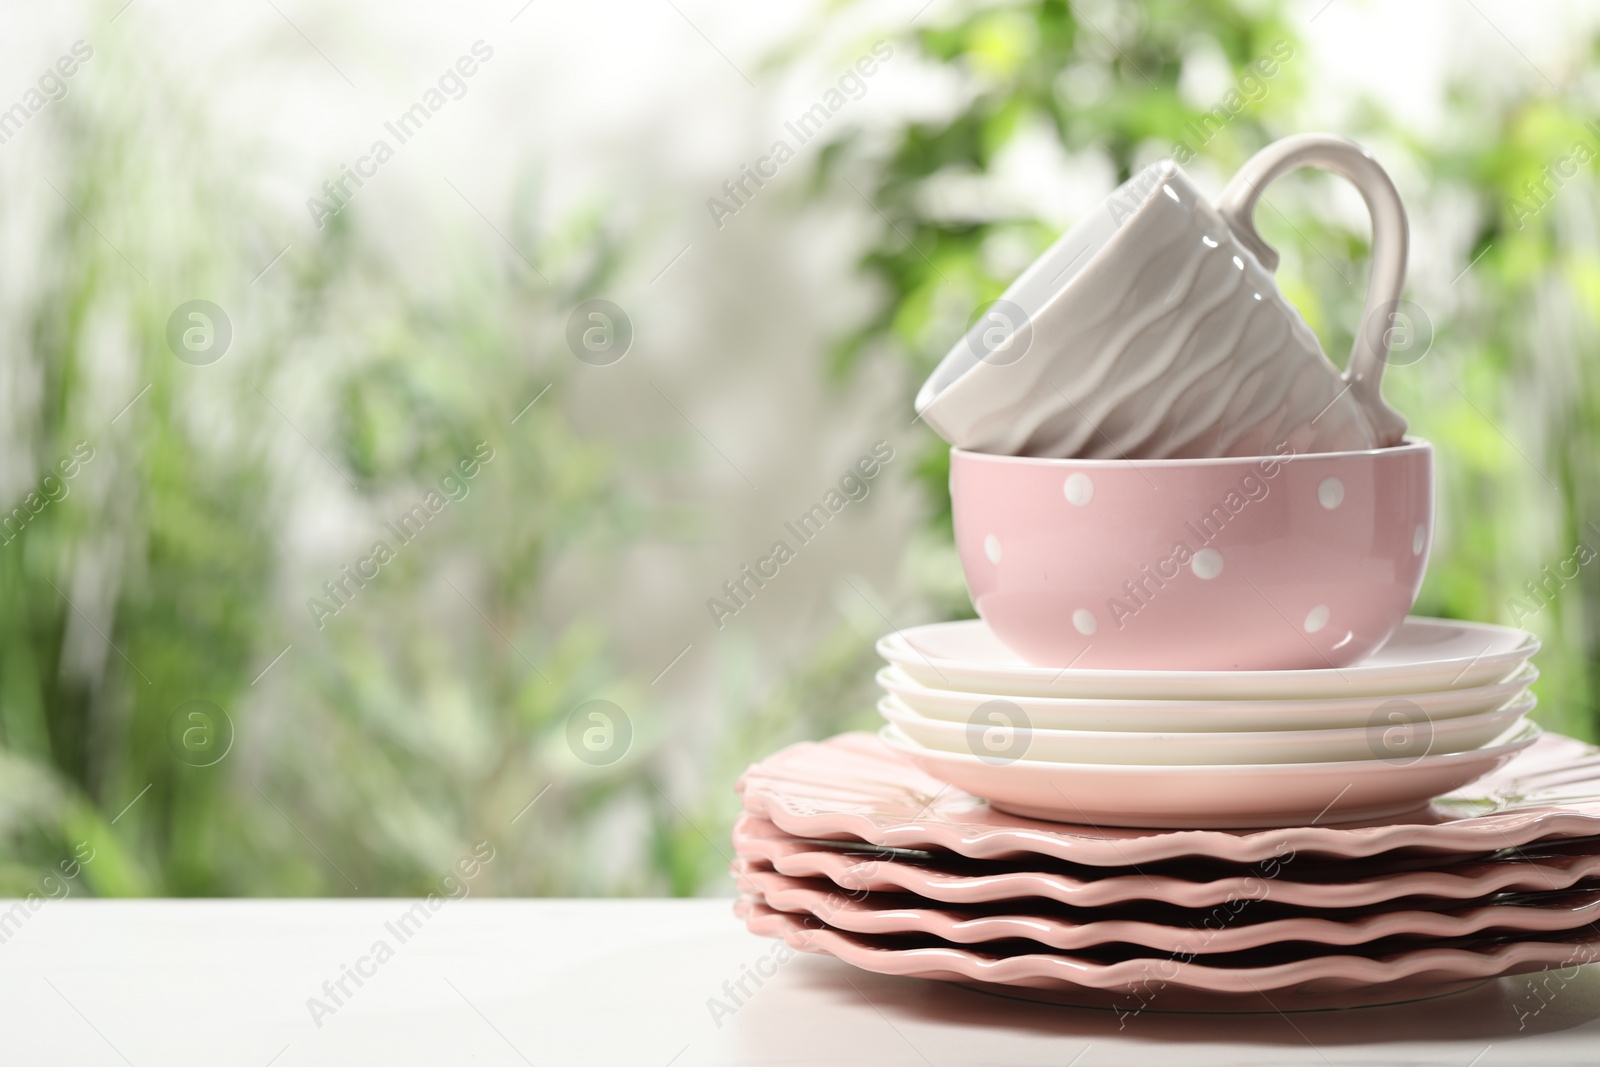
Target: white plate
(1424, 655)
(1001, 735)
(1222, 796)
(1108, 713)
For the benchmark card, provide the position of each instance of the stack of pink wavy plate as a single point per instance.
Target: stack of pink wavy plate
(846, 848)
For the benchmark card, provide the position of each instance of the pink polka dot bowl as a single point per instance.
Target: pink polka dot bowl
(1284, 562)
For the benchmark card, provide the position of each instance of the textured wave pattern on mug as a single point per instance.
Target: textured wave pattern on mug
(1185, 402)
(1182, 404)
(1196, 353)
(1145, 340)
(1153, 328)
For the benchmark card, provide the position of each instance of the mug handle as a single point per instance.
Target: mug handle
(1390, 239)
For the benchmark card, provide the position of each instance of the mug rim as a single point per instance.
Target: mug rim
(1408, 446)
(1165, 169)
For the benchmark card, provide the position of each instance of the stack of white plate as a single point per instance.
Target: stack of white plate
(1442, 704)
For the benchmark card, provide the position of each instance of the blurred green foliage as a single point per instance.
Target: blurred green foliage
(383, 744)
(398, 732)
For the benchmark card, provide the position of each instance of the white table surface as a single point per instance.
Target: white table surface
(171, 983)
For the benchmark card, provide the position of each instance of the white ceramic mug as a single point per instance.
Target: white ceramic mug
(1153, 329)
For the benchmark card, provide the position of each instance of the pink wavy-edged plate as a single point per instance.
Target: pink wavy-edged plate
(855, 786)
(1316, 982)
(867, 914)
(757, 839)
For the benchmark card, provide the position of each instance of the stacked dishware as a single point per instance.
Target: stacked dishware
(1194, 752)
(847, 848)
(1440, 705)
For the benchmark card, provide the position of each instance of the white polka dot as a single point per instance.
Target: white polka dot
(1330, 493)
(991, 548)
(1419, 537)
(1316, 618)
(1078, 488)
(1207, 563)
(1084, 620)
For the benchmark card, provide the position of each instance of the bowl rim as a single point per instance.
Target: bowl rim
(1409, 446)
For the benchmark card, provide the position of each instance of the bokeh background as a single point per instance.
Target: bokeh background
(173, 703)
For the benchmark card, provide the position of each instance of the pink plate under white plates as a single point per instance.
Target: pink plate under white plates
(1217, 796)
(1286, 880)
(1174, 983)
(853, 786)
(1235, 927)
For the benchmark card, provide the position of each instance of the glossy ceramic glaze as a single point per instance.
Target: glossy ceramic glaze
(1152, 329)
(1235, 928)
(1002, 730)
(855, 788)
(1329, 980)
(1287, 879)
(1090, 713)
(1279, 563)
(1213, 796)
